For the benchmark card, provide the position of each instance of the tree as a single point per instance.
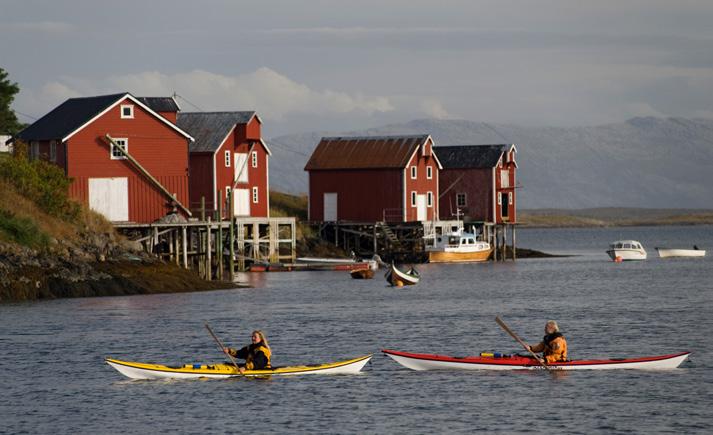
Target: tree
(8, 120)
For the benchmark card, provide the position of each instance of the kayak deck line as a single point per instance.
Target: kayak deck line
(417, 361)
(136, 370)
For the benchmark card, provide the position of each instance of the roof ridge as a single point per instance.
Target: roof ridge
(396, 136)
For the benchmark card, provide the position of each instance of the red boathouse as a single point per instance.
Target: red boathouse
(373, 179)
(479, 180)
(228, 154)
(142, 188)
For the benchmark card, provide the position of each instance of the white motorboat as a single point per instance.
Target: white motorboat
(458, 246)
(626, 250)
(675, 252)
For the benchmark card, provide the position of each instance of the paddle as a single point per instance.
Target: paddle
(220, 344)
(522, 343)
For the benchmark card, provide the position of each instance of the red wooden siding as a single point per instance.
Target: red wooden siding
(476, 184)
(201, 181)
(362, 195)
(422, 185)
(162, 151)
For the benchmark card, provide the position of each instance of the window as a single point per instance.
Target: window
(510, 198)
(227, 159)
(127, 111)
(504, 178)
(413, 199)
(255, 196)
(254, 159)
(53, 150)
(227, 193)
(122, 143)
(461, 200)
(429, 172)
(413, 172)
(500, 199)
(429, 199)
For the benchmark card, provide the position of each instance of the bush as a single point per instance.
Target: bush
(40, 181)
(22, 231)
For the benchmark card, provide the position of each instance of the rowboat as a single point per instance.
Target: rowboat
(625, 250)
(420, 361)
(671, 252)
(397, 278)
(136, 370)
(362, 274)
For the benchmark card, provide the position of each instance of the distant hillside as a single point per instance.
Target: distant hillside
(610, 216)
(643, 162)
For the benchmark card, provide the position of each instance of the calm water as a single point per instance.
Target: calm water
(54, 380)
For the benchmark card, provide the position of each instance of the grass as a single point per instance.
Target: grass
(609, 217)
(22, 231)
(284, 204)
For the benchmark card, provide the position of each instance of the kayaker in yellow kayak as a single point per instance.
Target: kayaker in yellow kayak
(553, 344)
(256, 355)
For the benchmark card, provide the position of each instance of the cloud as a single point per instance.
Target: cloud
(434, 109)
(51, 27)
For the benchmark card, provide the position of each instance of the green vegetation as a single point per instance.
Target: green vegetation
(8, 120)
(21, 230)
(284, 204)
(611, 216)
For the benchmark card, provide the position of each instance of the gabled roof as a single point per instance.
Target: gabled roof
(68, 118)
(365, 152)
(211, 128)
(471, 156)
(161, 104)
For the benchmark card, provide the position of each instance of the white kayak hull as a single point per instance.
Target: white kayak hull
(669, 253)
(421, 362)
(134, 370)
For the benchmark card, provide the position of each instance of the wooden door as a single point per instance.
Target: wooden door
(110, 197)
(330, 207)
(241, 202)
(421, 208)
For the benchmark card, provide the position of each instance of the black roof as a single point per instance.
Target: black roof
(470, 156)
(67, 117)
(160, 104)
(209, 129)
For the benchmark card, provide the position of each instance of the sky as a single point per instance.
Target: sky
(309, 65)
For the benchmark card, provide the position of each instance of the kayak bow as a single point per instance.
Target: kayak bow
(135, 370)
(421, 361)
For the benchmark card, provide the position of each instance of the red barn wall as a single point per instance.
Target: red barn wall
(201, 181)
(422, 185)
(162, 151)
(363, 194)
(477, 184)
(510, 167)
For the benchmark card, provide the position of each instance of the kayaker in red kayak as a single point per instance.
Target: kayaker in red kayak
(553, 344)
(256, 355)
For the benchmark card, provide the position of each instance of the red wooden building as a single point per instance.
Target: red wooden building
(480, 181)
(372, 179)
(73, 135)
(228, 154)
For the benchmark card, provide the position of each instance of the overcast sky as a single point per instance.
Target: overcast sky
(332, 64)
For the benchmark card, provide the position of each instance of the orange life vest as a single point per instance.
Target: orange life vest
(555, 348)
(254, 349)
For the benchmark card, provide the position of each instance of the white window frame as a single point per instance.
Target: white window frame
(429, 172)
(126, 148)
(253, 157)
(34, 149)
(504, 178)
(429, 199)
(500, 199)
(465, 199)
(227, 158)
(413, 198)
(414, 172)
(256, 197)
(131, 111)
(53, 150)
(510, 195)
(227, 192)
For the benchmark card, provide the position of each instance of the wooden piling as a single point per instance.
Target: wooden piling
(208, 256)
(184, 242)
(514, 245)
(231, 238)
(219, 242)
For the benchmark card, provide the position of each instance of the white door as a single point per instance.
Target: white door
(110, 197)
(241, 202)
(421, 208)
(330, 207)
(241, 167)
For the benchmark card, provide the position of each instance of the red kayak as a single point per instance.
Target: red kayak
(423, 361)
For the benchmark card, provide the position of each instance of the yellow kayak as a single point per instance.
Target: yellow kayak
(136, 370)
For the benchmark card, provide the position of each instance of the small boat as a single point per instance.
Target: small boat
(338, 263)
(397, 278)
(135, 370)
(458, 246)
(362, 274)
(419, 361)
(673, 252)
(625, 250)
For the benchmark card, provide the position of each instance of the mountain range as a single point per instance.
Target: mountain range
(643, 162)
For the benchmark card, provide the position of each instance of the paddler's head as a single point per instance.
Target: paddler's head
(259, 337)
(551, 327)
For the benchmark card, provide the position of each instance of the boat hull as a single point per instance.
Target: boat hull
(458, 257)
(420, 362)
(362, 274)
(670, 253)
(134, 370)
(627, 254)
(397, 278)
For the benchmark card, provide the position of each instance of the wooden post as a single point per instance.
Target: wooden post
(256, 241)
(219, 242)
(184, 242)
(514, 247)
(376, 242)
(208, 256)
(505, 240)
(176, 250)
(231, 241)
(495, 243)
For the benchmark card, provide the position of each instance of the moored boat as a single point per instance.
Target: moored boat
(362, 274)
(626, 250)
(136, 370)
(675, 252)
(420, 361)
(398, 278)
(458, 246)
